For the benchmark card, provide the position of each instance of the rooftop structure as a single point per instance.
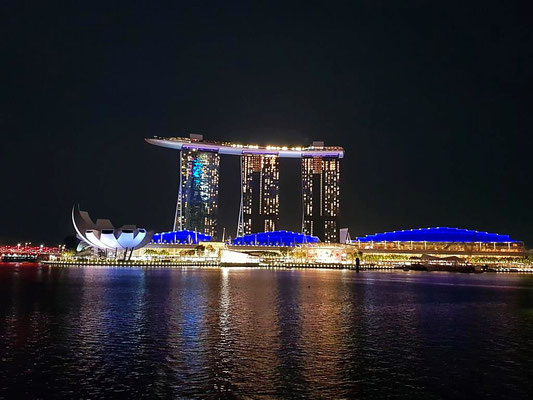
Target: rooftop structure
(276, 238)
(196, 142)
(438, 234)
(180, 237)
(440, 240)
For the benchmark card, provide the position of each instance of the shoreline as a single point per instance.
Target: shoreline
(217, 265)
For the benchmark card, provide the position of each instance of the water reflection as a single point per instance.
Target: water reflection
(226, 333)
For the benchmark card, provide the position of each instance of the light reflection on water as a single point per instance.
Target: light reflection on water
(97, 332)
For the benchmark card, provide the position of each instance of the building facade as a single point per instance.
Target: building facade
(320, 197)
(197, 205)
(259, 211)
(439, 240)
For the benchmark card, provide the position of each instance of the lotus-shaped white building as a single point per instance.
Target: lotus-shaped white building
(103, 235)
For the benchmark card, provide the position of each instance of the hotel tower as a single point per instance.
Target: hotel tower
(259, 210)
(197, 204)
(320, 196)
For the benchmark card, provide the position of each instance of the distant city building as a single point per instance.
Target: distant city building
(259, 211)
(197, 205)
(320, 191)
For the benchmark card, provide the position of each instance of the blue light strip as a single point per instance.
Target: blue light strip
(180, 237)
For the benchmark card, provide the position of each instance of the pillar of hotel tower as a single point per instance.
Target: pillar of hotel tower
(259, 211)
(198, 191)
(320, 190)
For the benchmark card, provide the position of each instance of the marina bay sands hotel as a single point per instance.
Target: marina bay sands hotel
(259, 198)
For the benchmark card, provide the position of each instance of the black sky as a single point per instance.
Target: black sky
(432, 101)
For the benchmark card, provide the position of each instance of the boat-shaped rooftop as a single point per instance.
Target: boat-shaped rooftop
(196, 142)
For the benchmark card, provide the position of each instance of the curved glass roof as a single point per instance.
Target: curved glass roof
(181, 237)
(439, 234)
(276, 238)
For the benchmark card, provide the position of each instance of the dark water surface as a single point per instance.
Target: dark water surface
(231, 333)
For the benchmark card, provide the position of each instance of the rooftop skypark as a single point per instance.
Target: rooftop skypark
(196, 142)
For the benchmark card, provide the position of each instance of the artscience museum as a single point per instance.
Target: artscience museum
(104, 236)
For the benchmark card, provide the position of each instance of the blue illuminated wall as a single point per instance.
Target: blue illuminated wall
(180, 237)
(276, 238)
(439, 234)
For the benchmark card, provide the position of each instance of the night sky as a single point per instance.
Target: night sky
(432, 101)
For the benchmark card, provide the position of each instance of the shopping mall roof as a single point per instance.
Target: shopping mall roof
(276, 238)
(438, 234)
(180, 237)
(196, 142)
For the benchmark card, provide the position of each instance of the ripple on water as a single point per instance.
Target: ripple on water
(263, 333)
